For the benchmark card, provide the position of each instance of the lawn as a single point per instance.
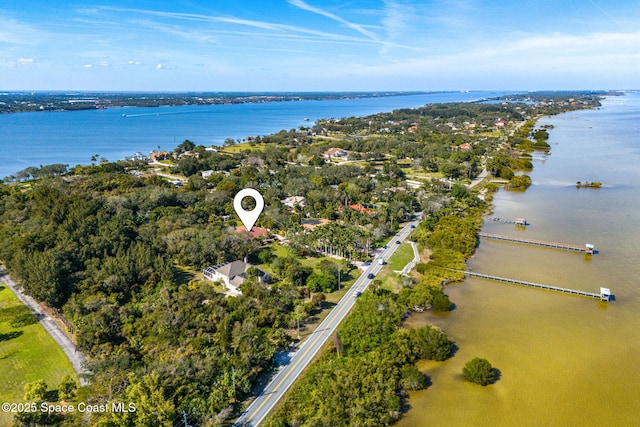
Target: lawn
(237, 148)
(396, 262)
(401, 257)
(27, 353)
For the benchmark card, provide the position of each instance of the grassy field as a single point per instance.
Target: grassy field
(27, 352)
(401, 257)
(397, 261)
(237, 148)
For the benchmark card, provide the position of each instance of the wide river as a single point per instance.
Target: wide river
(73, 137)
(563, 360)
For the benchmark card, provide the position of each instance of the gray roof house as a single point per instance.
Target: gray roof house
(232, 275)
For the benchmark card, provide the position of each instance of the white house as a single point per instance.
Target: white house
(138, 156)
(232, 275)
(334, 153)
(293, 201)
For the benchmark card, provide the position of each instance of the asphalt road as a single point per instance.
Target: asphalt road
(287, 374)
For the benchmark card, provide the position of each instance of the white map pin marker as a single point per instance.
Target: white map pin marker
(248, 218)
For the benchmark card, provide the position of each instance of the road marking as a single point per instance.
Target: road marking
(331, 319)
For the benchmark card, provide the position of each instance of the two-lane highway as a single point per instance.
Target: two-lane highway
(287, 374)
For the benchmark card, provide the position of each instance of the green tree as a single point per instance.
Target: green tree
(35, 391)
(152, 408)
(411, 378)
(185, 146)
(329, 267)
(519, 182)
(321, 283)
(479, 371)
(439, 301)
(429, 342)
(266, 256)
(67, 388)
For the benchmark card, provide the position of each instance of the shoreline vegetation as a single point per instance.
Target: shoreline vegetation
(587, 184)
(118, 248)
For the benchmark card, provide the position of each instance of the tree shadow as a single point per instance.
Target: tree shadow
(311, 319)
(454, 350)
(10, 335)
(25, 319)
(183, 277)
(324, 305)
(497, 374)
(51, 396)
(17, 316)
(427, 381)
(328, 304)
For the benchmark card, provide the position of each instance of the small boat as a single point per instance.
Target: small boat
(306, 119)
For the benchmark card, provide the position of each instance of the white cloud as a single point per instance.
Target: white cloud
(271, 29)
(551, 61)
(199, 36)
(101, 63)
(17, 33)
(359, 28)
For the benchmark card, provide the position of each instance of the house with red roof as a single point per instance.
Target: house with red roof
(255, 233)
(361, 209)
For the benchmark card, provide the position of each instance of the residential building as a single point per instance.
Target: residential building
(232, 275)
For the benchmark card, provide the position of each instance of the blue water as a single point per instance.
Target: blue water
(35, 139)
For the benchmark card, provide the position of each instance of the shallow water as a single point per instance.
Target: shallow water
(563, 360)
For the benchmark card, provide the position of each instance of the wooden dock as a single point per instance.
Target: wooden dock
(604, 295)
(587, 249)
(518, 221)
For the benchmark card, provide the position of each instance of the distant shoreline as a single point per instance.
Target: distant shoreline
(24, 102)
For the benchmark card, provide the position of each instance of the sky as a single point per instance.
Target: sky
(313, 45)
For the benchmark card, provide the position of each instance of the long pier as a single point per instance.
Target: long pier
(604, 295)
(587, 249)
